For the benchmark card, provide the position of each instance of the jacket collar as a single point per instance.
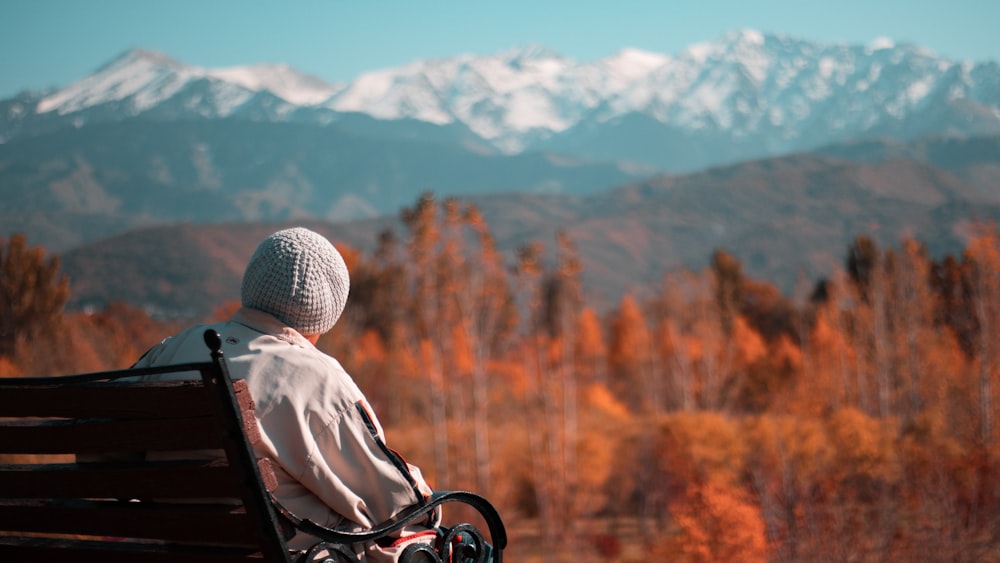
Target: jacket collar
(269, 324)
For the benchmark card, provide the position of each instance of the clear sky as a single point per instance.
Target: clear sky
(54, 42)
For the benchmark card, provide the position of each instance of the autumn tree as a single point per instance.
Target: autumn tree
(788, 459)
(484, 322)
(551, 348)
(914, 338)
(950, 281)
(983, 255)
(628, 356)
(32, 293)
(727, 278)
(869, 280)
(716, 523)
(769, 312)
(713, 346)
(531, 351)
(430, 318)
(828, 379)
(678, 349)
(564, 307)
(864, 473)
(590, 348)
(441, 295)
(377, 346)
(862, 260)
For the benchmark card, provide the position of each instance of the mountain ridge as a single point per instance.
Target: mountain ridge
(70, 186)
(765, 94)
(629, 237)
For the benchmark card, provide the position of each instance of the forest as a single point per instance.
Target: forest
(712, 418)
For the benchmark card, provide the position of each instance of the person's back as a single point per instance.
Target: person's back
(333, 466)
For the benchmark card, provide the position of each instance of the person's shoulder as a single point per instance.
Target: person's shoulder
(305, 379)
(319, 362)
(331, 375)
(177, 348)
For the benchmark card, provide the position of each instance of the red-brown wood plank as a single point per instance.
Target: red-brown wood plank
(108, 400)
(162, 399)
(38, 550)
(267, 476)
(200, 523)
(160, 480)
(103, 436)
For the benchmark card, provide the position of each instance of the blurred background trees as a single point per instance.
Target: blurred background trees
(711, 418)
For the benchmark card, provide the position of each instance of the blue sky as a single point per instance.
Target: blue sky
(54, 42)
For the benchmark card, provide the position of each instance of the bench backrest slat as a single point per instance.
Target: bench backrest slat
(110, 400)
(100, 436)
(173, 522)
(38, 550)
(162, 480)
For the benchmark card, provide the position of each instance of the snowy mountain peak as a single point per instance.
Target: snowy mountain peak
(879, 44)
(144, 77)
(744, 37)
(774, 89)
(281, 80)
(140, 57)
(737, 44)
(636, 61)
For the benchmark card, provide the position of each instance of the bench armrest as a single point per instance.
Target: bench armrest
(498, 533)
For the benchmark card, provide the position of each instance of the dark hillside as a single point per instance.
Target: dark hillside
(184, 270)
(72, 186)
(782, 218)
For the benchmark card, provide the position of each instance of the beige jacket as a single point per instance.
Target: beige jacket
(332, 463)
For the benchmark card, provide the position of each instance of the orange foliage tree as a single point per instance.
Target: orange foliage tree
(32, 293)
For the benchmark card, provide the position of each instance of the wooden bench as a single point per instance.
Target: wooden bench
(105, 467)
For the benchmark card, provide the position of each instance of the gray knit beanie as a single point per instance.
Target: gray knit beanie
(300, 278)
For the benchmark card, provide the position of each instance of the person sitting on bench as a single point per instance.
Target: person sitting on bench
(327, 446)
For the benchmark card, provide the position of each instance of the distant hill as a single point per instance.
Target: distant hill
(782, 217)
(182, 270)
(72, 186)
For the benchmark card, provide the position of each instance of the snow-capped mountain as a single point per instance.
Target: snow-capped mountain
(141, 80)
(743, 95)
